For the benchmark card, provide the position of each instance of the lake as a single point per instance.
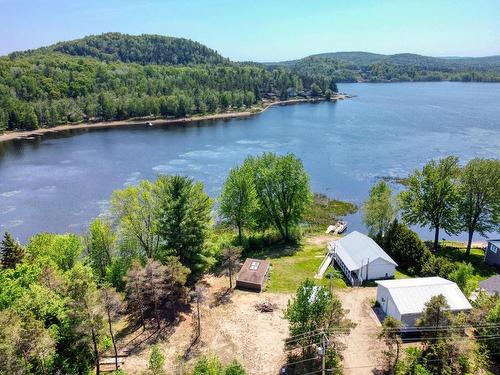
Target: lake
(62, 181)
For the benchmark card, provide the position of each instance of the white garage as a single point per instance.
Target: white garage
(405, 299)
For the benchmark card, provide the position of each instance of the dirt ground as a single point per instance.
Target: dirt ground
(364, 350)
(231, 329)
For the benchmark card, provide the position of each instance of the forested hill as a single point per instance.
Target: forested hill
(115, 77)
(141, 49)
(372, 67)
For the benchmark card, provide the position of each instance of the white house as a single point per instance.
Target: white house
(360, 258)
(405, 299)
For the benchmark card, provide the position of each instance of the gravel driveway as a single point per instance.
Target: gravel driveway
(364, 349)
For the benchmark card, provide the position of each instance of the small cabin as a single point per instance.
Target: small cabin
(253, 274)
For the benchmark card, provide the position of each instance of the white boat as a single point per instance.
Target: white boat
(341, 227)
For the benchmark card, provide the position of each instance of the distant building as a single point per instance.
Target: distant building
(492, 253)
(291, 92)
(361, 258)
(253, 274)
(491, 285)
(405, 299)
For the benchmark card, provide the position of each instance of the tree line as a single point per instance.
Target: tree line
(45, 89)
(442, 196)
(391, 70)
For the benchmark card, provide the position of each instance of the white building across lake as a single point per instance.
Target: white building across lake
(360, 258)
(405, 299)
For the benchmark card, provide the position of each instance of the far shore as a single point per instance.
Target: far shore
(30, 134)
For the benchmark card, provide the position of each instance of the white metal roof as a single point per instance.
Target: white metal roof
(411, 295)
(357, 249)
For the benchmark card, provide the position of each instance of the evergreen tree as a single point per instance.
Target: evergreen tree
(183, 221)
(11, 252)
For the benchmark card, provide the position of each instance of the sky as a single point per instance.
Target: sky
(271, 30)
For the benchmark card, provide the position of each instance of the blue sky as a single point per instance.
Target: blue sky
(266, 30)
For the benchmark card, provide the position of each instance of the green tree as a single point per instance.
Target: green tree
(390, 333)
(208, 366)
(431, 197)
(405, 247)
(436, 314)
(283, 190)
(380, 210)
(234, 368)
(11, 252)
(156, 361)
(100, 241)
(462, 276)
(479, 198)
(137, 209)
(86, 308)
(238, 200)
(183, 221)
(315, 90)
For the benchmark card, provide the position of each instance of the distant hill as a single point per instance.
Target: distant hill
(141, 49)
(373, 67)
(116, 76)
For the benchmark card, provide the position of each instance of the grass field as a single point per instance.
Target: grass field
(290, 265)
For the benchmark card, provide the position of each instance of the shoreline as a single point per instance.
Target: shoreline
(31, 134)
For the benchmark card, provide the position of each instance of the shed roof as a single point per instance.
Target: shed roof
(411, 295)
(491, 285)
(495, 242)
(356, 249)
(253, 271)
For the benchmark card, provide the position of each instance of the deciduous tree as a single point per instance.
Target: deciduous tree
(431, 197)
(380, 210)
(479, 198)
(238, 200)
(136, 209)
(283, 190)
(100, 241)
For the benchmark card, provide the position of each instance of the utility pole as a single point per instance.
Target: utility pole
(322, 352)
(323, 359)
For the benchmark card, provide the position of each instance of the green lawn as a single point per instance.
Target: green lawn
(292, 265)
(455, 252)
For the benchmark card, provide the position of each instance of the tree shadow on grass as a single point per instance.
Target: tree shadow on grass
(476, 259)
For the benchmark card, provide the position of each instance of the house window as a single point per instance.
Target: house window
(493, 248)
(254, 266)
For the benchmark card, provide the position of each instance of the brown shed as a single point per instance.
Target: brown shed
(253, 274)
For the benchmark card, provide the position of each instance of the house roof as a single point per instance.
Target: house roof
(253, 271)
(491, 285)
(411, 295)
(356, 249)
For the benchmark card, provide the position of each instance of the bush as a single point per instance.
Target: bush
(405, 247)
(437, 266)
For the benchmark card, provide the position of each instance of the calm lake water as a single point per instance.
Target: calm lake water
(63, 181)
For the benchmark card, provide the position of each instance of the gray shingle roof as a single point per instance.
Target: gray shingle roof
(356, 249)
(491, 285)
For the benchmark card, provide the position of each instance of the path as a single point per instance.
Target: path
(364, 350)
